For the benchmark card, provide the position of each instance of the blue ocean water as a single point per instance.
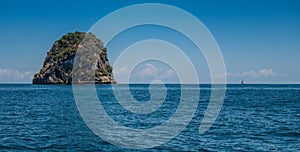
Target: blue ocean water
(253, 118)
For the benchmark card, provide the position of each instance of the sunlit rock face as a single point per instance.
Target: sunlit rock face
(58, 64)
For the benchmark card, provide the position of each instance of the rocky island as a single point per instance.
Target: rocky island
(58, 64)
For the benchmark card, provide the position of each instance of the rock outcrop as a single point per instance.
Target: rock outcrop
(58, 64)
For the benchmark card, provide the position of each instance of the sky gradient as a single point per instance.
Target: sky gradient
(259, 40)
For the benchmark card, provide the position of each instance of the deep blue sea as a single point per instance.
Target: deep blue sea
(253, 118)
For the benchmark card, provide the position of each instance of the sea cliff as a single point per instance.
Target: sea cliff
(58, 64)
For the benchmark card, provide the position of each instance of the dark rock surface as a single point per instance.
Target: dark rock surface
(58, 64)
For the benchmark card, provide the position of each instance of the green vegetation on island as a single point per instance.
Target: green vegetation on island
(58, 64)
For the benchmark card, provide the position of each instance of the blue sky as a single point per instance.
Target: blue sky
(260, 40)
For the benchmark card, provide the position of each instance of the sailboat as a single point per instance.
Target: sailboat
(242, 82)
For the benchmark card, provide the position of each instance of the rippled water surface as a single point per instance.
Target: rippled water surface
(253, 118)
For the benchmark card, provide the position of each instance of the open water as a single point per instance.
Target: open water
(253, 118)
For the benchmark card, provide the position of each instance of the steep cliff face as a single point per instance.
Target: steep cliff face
(58, 64)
